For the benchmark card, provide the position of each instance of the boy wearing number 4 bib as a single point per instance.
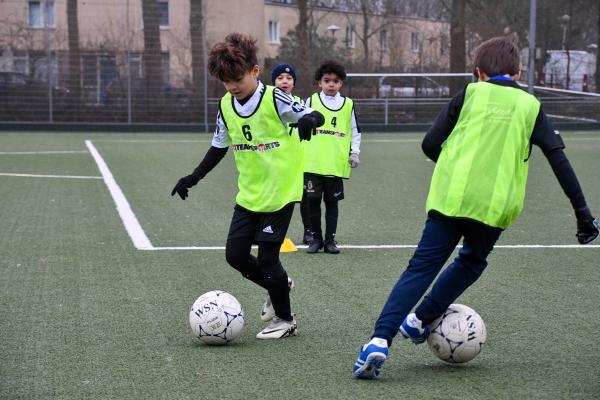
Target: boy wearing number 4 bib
(330, 155)
(252, 121)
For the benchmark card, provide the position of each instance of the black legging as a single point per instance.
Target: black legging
(265, 270)
(331, 218)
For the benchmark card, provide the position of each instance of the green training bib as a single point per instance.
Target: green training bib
(328, 151)
(482, 170)
(268, 159)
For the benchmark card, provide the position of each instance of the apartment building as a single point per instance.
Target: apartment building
(34, 36)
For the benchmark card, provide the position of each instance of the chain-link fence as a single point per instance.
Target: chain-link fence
(103, 61)
(109, 62)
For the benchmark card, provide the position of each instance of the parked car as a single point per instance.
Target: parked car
(11, 80)
(23, 99)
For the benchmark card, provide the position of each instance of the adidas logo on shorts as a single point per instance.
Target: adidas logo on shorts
(268, 229)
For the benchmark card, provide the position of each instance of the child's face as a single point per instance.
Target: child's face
(285, 82)
(245, 85)
(330, 84)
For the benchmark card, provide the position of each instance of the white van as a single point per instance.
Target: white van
(582, 68)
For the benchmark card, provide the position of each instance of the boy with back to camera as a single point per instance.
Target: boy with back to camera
(330, 155)
(252, 120)
(283, 76)
(481, 143)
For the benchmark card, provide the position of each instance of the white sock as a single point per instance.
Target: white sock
(378, 342)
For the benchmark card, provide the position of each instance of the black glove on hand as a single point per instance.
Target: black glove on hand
(587, 226)
(307, 126)
(182, 186)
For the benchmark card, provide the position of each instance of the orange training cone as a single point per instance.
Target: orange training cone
(288, 246)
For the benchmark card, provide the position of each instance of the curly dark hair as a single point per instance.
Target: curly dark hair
(231, 59)
(331, 67)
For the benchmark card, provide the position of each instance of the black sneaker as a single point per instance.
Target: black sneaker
(314, 246)
(331, 247)
(308, 237)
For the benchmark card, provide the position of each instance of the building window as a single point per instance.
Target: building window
(350, 37)
(166, 68)
(41, 14)
(274, 31)
(21, 59)
(443, 44)
(414, 42)
(42, 70)
(163, 12)
(136, 66)
(383, 40)
(99, 74)
(470, 44)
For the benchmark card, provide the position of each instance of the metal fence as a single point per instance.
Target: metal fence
(138, 64)
(32, 102)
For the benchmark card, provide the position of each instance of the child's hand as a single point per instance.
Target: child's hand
(182, 186)
(307, 126)
(587, 226)
(354, 160)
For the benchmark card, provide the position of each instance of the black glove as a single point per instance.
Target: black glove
(587, 226)
(307, 127)
(182, 186)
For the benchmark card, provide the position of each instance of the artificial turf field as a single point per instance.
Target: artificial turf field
(84, 314)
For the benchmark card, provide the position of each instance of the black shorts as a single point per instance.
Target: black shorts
(330, 188)
(261, 227)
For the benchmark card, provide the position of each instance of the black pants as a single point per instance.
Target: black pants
(331, 219)
(265, 270)
(330, 190)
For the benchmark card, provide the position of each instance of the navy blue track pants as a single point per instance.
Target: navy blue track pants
(440, 237)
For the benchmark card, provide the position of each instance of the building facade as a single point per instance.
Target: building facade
(111, 81)
(109, 29)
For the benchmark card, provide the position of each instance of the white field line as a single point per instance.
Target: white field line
(141, 241)
(133, 227)
(571, 118)
(403, 246)
(391, 140)
(44, 152)
(575, 139)
(155, 140)
(51, 176)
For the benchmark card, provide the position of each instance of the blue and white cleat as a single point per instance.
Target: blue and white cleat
(412, 328)
(371, 359)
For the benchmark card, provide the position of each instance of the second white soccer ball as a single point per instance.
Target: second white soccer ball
(216, 318)
(458, 335)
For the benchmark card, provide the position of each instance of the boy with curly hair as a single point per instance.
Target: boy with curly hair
(252, 121)
(330, 155)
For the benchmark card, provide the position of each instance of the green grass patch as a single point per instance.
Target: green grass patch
(86, 315)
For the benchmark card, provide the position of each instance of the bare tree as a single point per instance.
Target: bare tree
(197, 49)
(368, 27)
(598, 51)
(457, 42)
(306, 49)
(305, 55)
(152, 57)
(74, 81)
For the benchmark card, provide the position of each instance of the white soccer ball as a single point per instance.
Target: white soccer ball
(458, 335)
(216, 318)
